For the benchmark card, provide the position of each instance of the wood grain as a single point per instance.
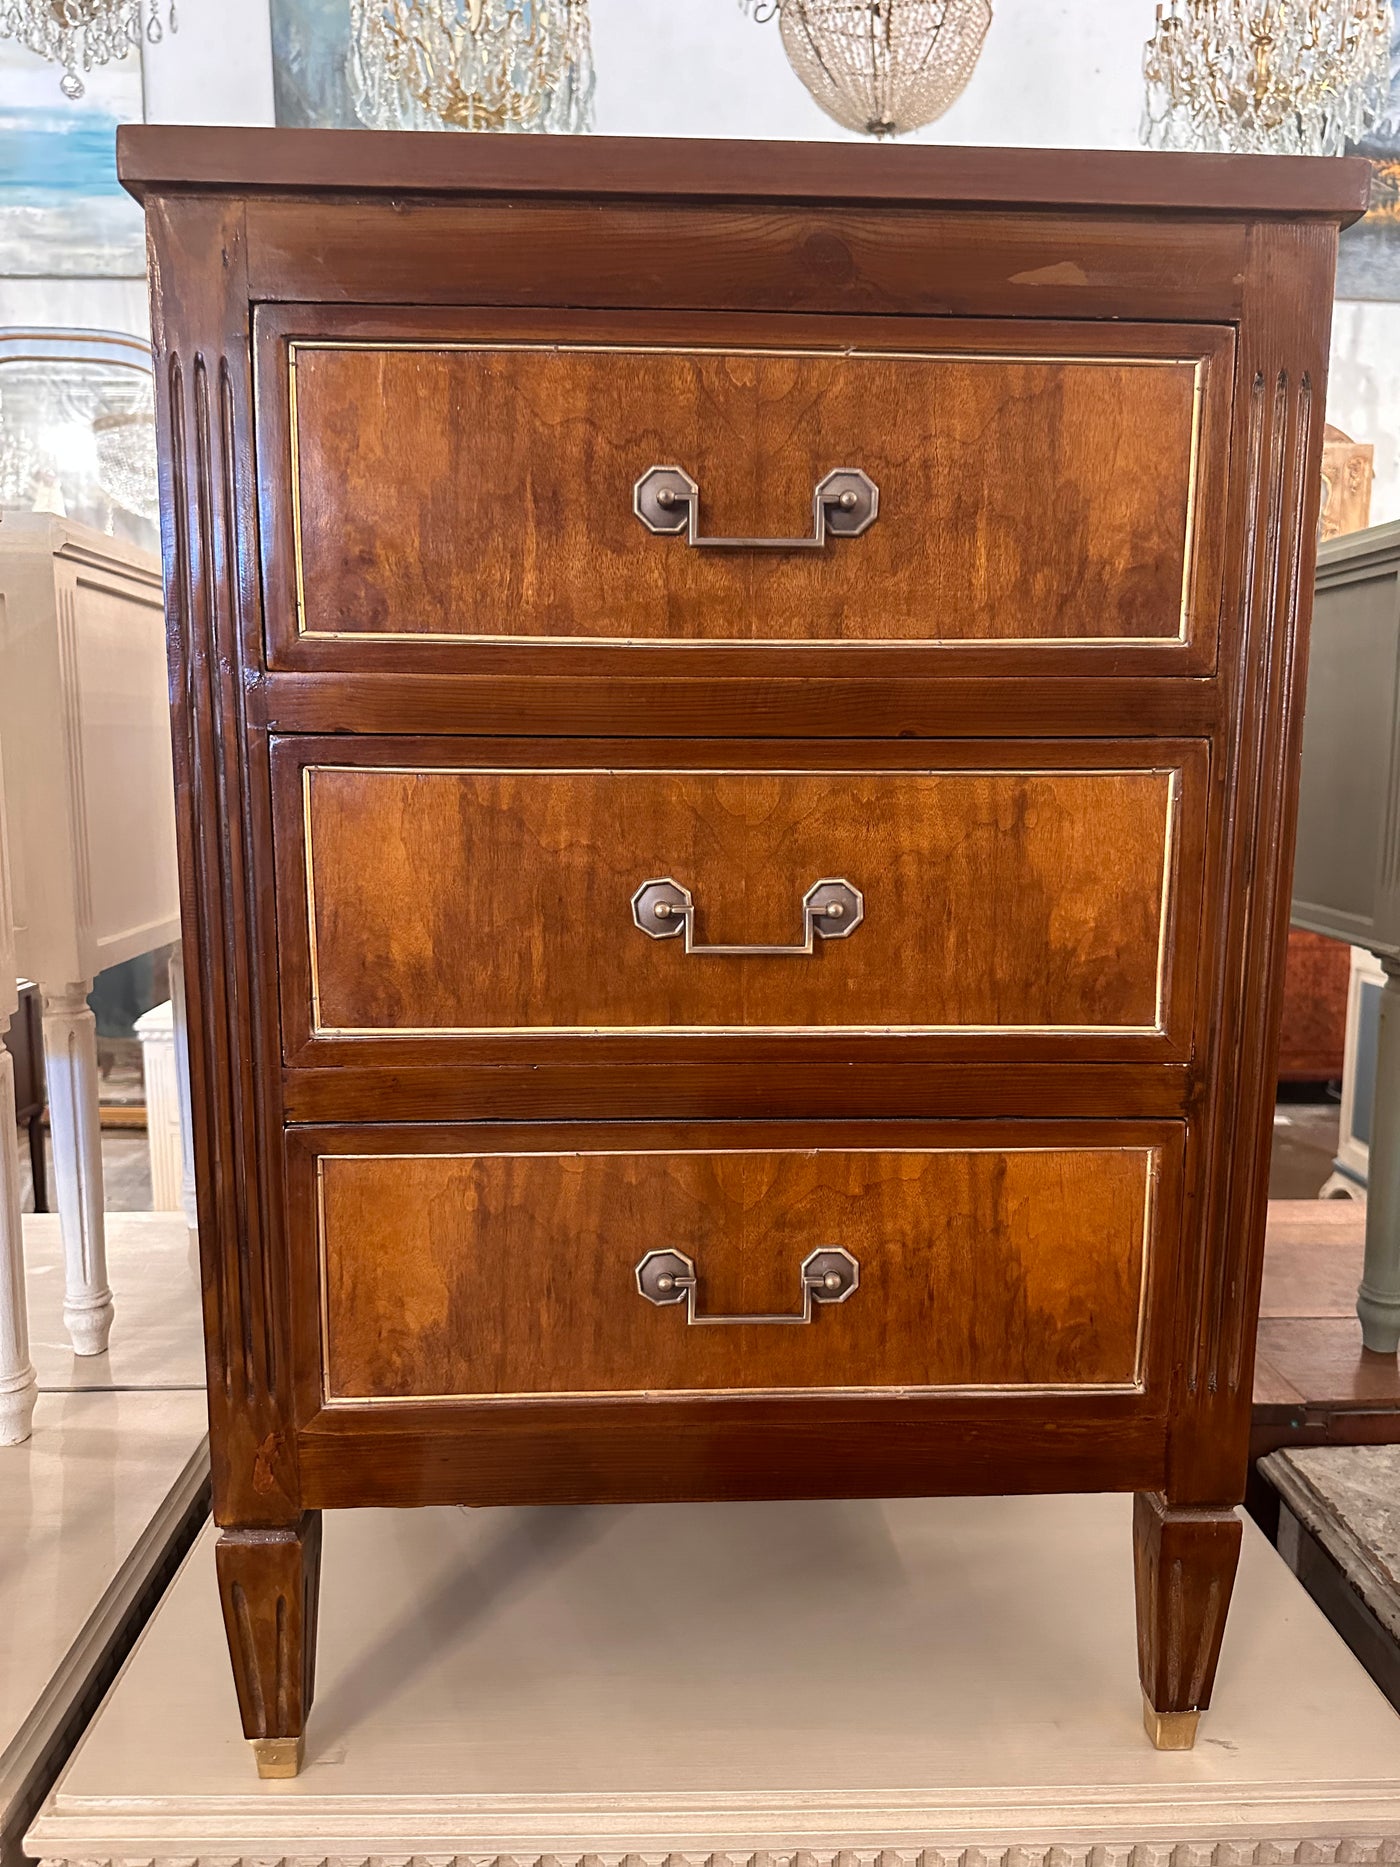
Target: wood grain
(459, 900)
(665, 1450)
(800, 257)
(351, 1090)
(465, 1273)
(490, 493)
(861, 703)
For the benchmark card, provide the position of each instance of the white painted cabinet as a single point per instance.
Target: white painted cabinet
(85, 753)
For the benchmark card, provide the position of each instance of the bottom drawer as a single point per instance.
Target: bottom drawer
(471, 1263)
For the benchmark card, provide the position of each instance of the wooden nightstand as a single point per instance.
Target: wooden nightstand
(736, 719)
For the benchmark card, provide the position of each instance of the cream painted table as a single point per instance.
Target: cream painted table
(85, 744)
(90, 1509)
(930, 1683)
(99, 1504)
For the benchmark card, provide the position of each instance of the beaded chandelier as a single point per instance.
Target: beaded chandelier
(471, 64)
(1272, 77)
(881, 66)
(79, 34)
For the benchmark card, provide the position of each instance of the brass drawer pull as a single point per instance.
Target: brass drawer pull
(828, 1276)
(831, 908)
(844, 504)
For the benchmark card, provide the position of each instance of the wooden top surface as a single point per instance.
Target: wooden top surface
(166, 158)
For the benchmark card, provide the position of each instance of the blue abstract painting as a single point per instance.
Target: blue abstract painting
(63, 213)
(309, 42)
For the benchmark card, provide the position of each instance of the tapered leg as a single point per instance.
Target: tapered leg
(70, 1064)
(1185, 1564)
(17, 1383)
(268, 1583)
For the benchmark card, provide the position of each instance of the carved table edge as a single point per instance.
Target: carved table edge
(1312, 1851)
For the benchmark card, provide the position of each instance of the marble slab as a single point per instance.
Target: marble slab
(926, 1683)
(157, 1337)
(89, 1508)
(1349, 1498)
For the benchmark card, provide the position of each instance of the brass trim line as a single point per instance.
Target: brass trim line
(1197, 365)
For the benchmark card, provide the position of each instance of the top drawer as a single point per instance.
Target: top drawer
(435, 479)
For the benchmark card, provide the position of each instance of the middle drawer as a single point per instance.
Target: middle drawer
(955, 896)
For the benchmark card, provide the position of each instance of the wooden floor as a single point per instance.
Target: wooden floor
(1314, 1384)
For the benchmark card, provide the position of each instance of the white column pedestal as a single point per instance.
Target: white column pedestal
(17, 1384)
(70, 1064)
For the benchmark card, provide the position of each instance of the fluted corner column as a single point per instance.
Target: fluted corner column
(70, 1064)
(17, 1384)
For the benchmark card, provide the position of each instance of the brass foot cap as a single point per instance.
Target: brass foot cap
(1169, 1730)
(278, 1756)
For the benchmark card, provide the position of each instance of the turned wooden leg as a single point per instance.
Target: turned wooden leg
(70, 1065)
(17, 1384)
(1185, 1565)
(268, 1584)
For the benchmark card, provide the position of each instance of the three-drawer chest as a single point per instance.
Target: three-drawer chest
(736, 718)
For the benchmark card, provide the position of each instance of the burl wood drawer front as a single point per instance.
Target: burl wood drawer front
(1036, 485)
(976, 1257)
(998, 901)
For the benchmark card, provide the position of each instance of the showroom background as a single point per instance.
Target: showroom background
(1067, 74)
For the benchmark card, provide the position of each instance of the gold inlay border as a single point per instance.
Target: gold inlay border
(950, 1390)
(1197, 365)
(353, 1033)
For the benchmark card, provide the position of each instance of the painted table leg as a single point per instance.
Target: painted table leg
(17, 1383)
(70, 1063)
(180, 1027)
(1378, 1299)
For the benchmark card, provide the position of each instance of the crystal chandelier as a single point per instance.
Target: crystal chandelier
(1271, 77)
(126, 459)
(79, 34)
(77, 428)
(471, 64)
(881, 66)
